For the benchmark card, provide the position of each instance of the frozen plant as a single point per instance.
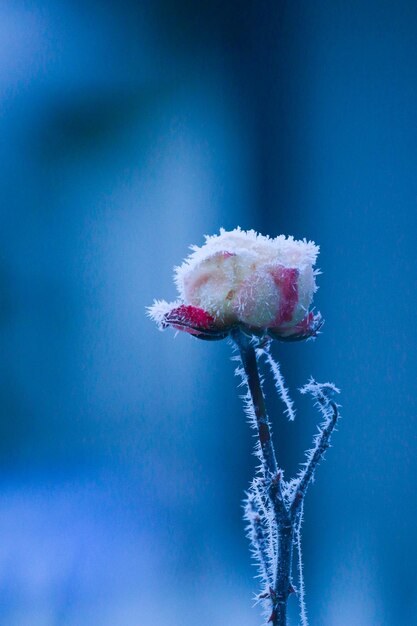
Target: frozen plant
(254, 289)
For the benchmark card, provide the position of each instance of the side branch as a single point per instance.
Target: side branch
(261, 548)
(330, 411)
(279, 383)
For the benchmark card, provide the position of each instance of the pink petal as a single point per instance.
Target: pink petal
(286, 279)
(195, 321)
(308, 327)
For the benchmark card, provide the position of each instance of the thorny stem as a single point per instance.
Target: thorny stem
(283, 584)
(273, 479)
(287, 509)
(250, 365)
(321, 447)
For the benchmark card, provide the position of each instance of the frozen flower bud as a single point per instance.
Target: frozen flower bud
(241, 278)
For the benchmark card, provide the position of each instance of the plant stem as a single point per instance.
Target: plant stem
(283, 581)
(273, 479)
(273, 506)
(250, 365)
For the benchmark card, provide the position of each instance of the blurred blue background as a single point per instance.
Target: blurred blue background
(128, 130)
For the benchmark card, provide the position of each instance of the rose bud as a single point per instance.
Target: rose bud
(243, 279)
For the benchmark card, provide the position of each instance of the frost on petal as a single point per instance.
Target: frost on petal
(284, 250)
(306, 329)
(257, 301)
(286, 281)
(159, 309)
(187, 318)
(243, 278)
(212, 285)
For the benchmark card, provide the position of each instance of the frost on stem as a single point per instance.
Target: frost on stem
(322, 394)
(254, 289)
(258, 532)
(279, 383)
(261, 533)
(274, 507)
(301, 587)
